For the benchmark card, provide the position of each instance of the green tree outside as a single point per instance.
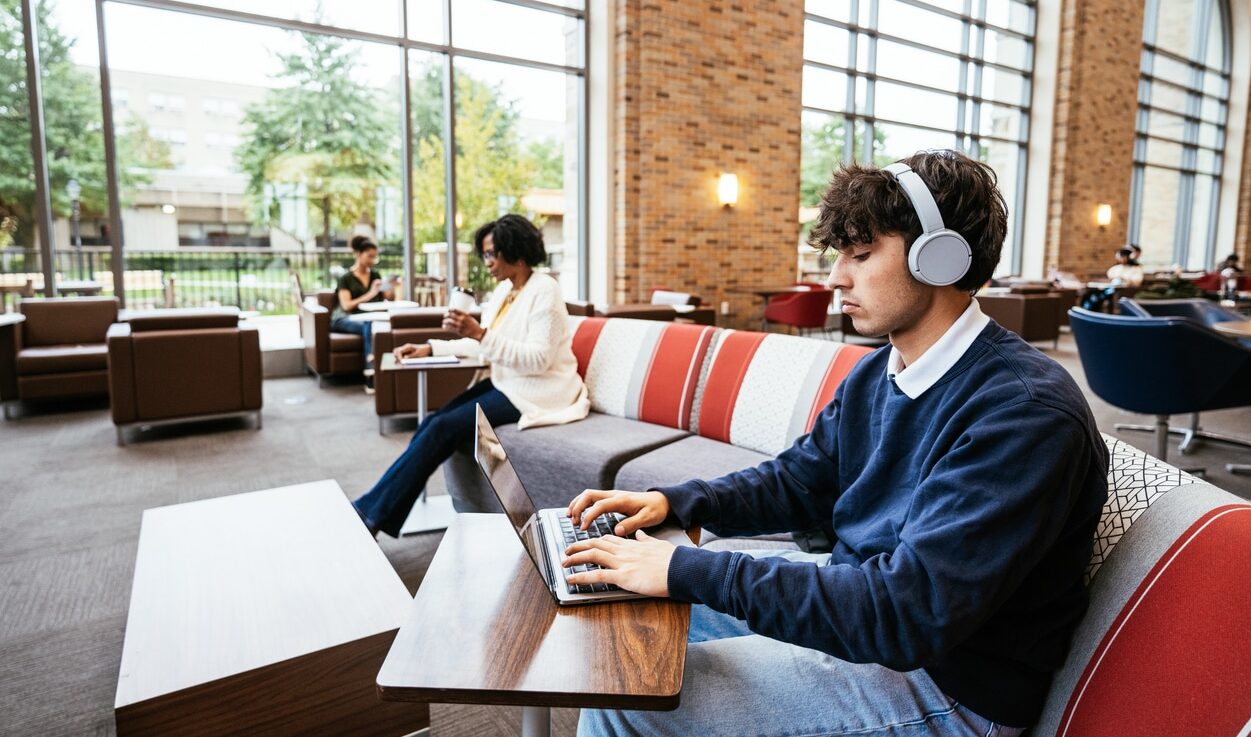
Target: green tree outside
(324, 130)
(492, 171)
(822, 153)
(74, 131)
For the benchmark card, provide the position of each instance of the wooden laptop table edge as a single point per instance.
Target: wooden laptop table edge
(485, 622)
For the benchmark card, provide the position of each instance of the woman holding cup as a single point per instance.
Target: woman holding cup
(534, 381)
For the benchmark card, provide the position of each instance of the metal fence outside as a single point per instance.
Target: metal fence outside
(248, 278)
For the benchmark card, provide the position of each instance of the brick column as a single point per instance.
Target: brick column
(1093, 144)
(705, 87)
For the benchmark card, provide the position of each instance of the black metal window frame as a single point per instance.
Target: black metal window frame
(966, 132)
(1193, 119)
(449, 52)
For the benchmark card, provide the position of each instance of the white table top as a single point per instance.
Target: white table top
(389, 363)
(385, 305)
(1236, 328)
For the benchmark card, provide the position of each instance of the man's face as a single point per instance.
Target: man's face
(879, 295)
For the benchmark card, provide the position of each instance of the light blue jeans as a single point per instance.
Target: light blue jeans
(744, 685)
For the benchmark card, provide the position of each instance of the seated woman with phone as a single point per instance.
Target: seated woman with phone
(359, 285)
(534, 381)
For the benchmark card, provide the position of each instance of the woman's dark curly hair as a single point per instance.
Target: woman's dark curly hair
(362, 243)
(863, 203)
(514, 238)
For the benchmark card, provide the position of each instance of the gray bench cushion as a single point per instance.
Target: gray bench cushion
(557, 463)
(698, 457)
(695, 457)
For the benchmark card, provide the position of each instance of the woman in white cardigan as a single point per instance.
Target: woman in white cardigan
(534, 380)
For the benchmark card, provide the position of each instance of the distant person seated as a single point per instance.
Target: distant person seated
(1123, 273)
(1126, 272)
(1135, 254)
(534, 381)
(359, 285)
(1219, 279)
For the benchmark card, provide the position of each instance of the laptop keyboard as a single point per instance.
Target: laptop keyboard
(599, 528)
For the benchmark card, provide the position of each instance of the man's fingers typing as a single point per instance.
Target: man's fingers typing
(584, 500)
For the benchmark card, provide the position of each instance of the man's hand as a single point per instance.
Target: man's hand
(463, 324)
(640, 565)
(641, 509)
(412, 350)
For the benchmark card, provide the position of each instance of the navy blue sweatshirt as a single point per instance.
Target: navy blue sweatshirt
(964, 521)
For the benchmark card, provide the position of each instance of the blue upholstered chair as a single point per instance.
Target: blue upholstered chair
(1162, 366)
(1203, 312)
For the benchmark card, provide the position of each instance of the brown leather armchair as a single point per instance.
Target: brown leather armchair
(395, 392)
(171, 366)
(328, 353)
(1034, 317)
(54, 348)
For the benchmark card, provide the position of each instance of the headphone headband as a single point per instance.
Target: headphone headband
(919, 195)
(939, 256)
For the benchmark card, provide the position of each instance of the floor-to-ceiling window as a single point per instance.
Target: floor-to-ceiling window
(1183, 105)
(256, 138)
(885, 78)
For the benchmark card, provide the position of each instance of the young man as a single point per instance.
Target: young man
(963, 476)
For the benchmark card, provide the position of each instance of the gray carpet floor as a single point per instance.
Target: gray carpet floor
(71, 500)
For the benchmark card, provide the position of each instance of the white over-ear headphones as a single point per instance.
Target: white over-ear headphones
(939, 256)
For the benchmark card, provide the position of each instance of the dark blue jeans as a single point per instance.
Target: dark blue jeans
(360, 327)
(387, 505)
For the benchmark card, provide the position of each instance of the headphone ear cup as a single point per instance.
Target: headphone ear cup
(940, 258)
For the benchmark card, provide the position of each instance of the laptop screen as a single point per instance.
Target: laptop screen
(518, 506)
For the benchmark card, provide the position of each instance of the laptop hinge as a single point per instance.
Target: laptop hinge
(547, 559)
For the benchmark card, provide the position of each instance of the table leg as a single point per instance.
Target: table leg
(422, 388)
(536, 721)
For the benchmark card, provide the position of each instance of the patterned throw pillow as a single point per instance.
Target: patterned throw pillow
(1135, 481)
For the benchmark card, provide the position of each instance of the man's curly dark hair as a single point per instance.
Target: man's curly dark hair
(864, 202)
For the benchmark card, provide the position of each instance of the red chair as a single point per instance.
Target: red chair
(800, 310)
(1212, 282)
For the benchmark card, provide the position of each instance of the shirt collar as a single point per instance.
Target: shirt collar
(925, 372)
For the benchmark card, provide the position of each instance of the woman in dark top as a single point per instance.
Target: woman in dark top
(359, 285)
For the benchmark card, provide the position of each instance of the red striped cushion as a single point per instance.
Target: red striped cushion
(1176, 660)
(844, 361)
(725, 378)
(668, 388)
(584, 340)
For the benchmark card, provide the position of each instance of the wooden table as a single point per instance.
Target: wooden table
(1234, 328)
(261, 613)
(26, 289)
(483, 629)
(430, 515)
(81, 288)
(668, 313)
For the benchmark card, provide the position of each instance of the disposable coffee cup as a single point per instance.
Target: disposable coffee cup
(460, 300)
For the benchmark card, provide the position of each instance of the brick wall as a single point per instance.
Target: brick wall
(705, 87)
(1093, 140)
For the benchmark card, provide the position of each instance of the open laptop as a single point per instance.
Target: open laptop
(545, 533)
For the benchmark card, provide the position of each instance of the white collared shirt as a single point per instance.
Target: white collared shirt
(916, 379)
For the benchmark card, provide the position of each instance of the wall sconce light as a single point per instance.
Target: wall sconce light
(168, 209)
(727, 190)
(1103, 215)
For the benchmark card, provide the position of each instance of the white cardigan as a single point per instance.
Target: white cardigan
(531, 353)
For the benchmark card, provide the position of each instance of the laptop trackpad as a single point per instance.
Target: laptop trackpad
(671, 534)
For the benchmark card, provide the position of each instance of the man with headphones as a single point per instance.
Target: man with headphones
(961, 474)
